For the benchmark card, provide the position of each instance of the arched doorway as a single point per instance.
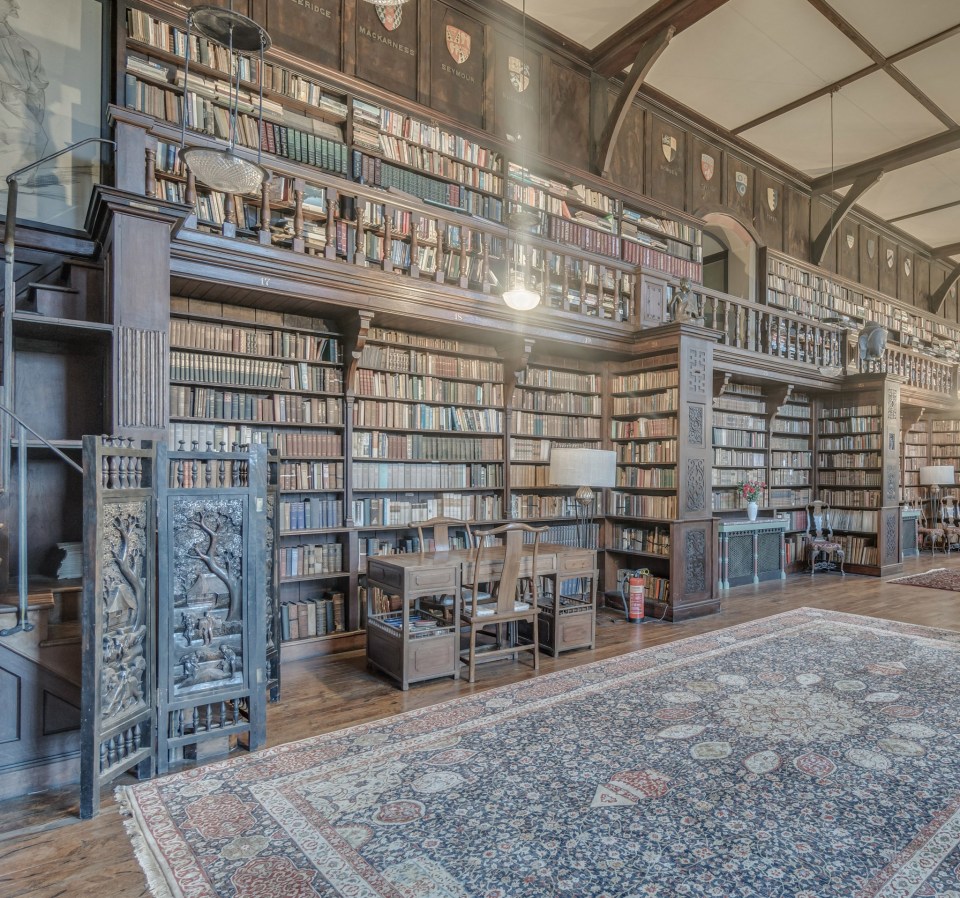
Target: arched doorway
(729, 256)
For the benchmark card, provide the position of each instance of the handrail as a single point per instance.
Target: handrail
(22, 624)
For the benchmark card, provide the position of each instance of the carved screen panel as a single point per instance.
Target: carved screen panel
(271, 580)
(119, 614)
(211, 685)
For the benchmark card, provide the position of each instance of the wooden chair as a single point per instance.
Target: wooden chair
(950, 521)
(504, 610)
(930, 536)
(442, 528)
(822, 549)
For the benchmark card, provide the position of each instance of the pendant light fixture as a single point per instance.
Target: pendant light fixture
(518, 295)
(387, 4)
(224, 170)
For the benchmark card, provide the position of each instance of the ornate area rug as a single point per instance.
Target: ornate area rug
(938, 578)
(810, 754)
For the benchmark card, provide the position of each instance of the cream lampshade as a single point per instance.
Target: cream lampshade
(584, 469)
(937, 475)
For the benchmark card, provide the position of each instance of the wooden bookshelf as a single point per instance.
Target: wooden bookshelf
(916, 452)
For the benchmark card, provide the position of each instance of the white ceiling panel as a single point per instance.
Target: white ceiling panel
(921, 186)
(936, 71)
(892, 25)
(585, 23)
(935, 229)
(741, 62)
(871, 116)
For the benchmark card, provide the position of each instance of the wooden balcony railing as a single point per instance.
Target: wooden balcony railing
(916, 369)
(772, 332)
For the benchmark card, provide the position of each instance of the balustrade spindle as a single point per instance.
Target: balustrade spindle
(443, 252)
(414, 246)
(298, 236)
(387, 260)
(464, 281)
(485, 263)
(330, 250)
(150, 181)
(265, 213)
(228, 227)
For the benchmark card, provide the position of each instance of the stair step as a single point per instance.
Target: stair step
(35, 600)
(55, 301)
(65, 633)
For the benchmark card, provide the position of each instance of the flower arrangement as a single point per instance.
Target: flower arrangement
(752, 490)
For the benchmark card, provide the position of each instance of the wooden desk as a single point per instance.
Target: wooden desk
(397, 647)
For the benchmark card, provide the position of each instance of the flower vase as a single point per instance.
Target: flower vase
(752, 511)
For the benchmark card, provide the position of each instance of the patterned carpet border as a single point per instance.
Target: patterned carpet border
(173, 869)
(935, 578)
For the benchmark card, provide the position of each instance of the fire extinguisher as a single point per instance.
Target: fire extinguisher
(637, 585)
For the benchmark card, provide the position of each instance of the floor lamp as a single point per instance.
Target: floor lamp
(584, 469)
(935, 477)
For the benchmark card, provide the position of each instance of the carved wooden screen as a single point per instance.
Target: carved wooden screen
(211, 677)
(118, 717)
(272, 577)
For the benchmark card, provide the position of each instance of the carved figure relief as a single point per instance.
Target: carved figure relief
(123, 592)
(208, 615)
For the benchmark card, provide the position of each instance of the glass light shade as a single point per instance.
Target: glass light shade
(521, 298)
(387, 4)
(223, 170)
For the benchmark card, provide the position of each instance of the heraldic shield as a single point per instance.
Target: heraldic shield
(390, 16)
(519, 74)
(458, 43)
(773, 198)
(669, 146)
(707, 164)
(741, 182)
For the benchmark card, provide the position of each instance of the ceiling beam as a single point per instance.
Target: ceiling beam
(860, 187)
(862, 44)
(926, 211)
(613, 55)
(928, 148)
(945, 251)
(939, 296)
(649, 53)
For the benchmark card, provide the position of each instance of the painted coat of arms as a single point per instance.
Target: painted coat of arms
(773, 198)
(669, 146)
(519, 74)
(741, 182)
(871, 247)
(390, 16)
(458, 43)
(851, 239)
(707, 165)
(891, 257)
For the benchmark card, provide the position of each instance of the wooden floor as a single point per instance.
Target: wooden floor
(46, 852)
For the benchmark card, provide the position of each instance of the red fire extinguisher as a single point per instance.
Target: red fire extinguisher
(637, 585)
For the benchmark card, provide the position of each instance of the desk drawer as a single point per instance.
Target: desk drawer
(577, 563)
(438, 578)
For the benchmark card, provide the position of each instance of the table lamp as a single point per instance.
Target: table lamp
(584, 469)
(935, 477)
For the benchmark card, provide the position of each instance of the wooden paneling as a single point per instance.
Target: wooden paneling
(387, 51)
(921, 287)
(569, 117)
(739, 184)
(516, 108)
(768, 215)
(820, 212)
(626, 167)
(798, 225)
(10, 701)
(905, 275)
(705, 174)
(888, 266)
(457, 54)
(666, 153)
(869, 257)
(848, 246)
(309, 28)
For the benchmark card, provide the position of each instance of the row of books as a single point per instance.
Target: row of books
(789, 444)
(532, 424)
(410, 360)
(206, 402)
(524, 506)
(313, 617)
(858, 550)
(644, 428)
(217, 435)
(727, 457)
(422, 341)
(562, 230)
(869, 424)
(739, 421)
(858, 443)
(649, 540)
(632, 505)
(852, 411)
(371, 413)
(742, 439)
(732, 501)
(791, 477)
(423, 447)
(311, 475)
(648, 478)
(402, 222)
(655, 403)
(438, 163)
(848, 460)
(390, 476)
(254, 372)
(559, 380)
(733, 477)
(526, 476)
(189, 334)
(855, 477)
(643, 381)
(854, 519)
(309, 445)
(311, 514)
(310, 560)
(790, 425)
(789, 498)
(852, 496)
(538, 451)
(648, 257)
(732, 403)
(659, 452)
(426, 388)
(557, 403)
(399, 254)
(389, 512)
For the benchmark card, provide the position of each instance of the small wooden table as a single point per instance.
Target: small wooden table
(409, 652)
